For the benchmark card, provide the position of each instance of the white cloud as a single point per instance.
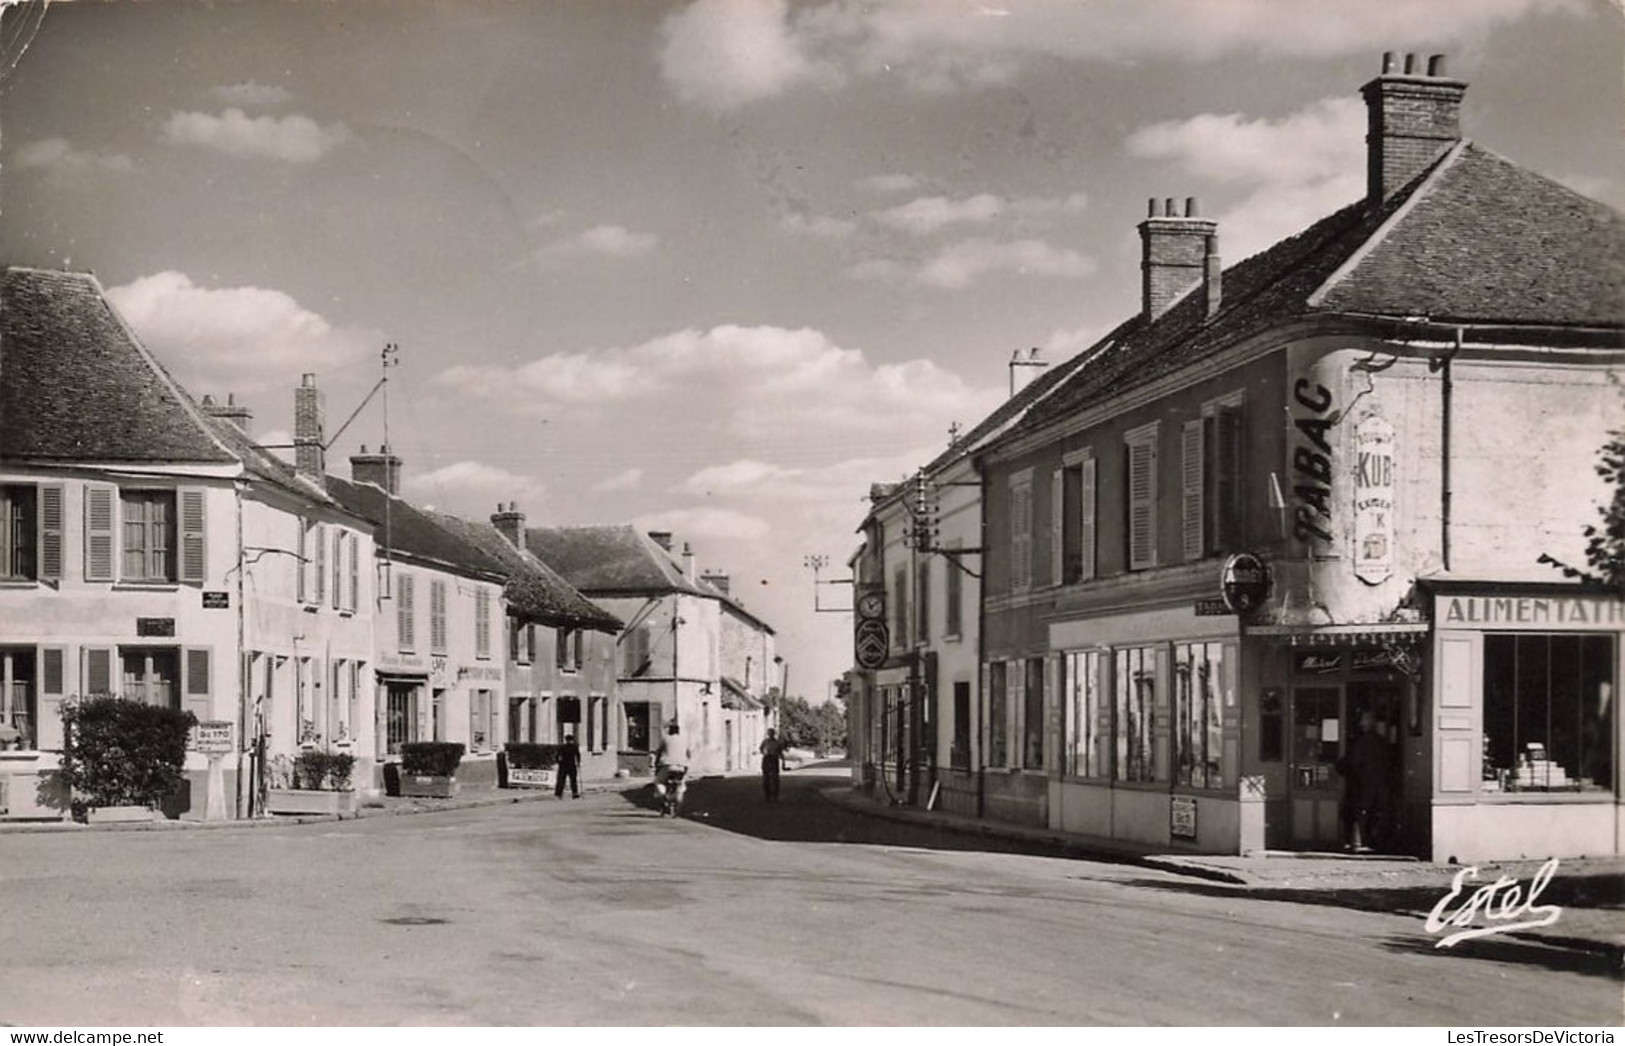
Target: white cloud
(464, 482)
(753, 382)
(724, 53)
(294, 139)
(966, 262)
(629, 479)
(608, 241)
(1298, 168)
(251, 95)
(237, 338)
(728, 53)
(698, 525)
(60, 155)
(927, 214)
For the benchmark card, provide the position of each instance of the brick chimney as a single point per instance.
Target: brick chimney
(382, 470)
(510, 523)
(1025, 367)
(310, 456)
(716, 580)
(230, 410)
(661, 538)
(1412, 117)
(1175, 253)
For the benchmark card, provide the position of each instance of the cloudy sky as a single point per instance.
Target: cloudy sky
(710, 266)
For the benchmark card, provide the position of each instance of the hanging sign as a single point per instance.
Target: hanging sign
(1244, 582)
(871, 643)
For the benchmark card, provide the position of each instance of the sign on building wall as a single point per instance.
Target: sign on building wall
(1373, 500)
(1182, 817)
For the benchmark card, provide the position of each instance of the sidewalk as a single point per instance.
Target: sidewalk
(1591, 891)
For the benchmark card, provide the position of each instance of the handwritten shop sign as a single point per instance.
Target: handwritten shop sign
(1373, 500)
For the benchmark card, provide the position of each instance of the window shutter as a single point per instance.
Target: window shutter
(1057, 523)
(1021, 536)
(1190, 448)
(1142, 504)
(98, 672)
(1054, 675)
(319, 538)
(98, 533)
(354, 543)
(53, 689)
(404, 624)
(194, 549)
(1086, 521)
(437, 617)
(49, 540)
(336, 597)
(1227, 509)
(304, 566)
(196, 687)
(482, 622)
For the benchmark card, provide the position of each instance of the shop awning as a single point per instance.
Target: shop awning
(735, 696)
(1340, 635)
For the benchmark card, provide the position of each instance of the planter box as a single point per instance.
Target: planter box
(117, 814)
(420, 786)
(531, 778)
(309, 801)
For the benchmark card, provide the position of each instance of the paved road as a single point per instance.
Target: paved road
(598, 911)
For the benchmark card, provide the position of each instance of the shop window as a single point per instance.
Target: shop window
(1548, 712)
(19, 699)
(1087, 718)
(1134, 681)
(1032, 716)
(959, 753)
(1198, 715)
(997, 714)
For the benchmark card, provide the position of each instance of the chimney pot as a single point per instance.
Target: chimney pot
(1411, 121)
(1191, 207)
(382, 470)
(1168, 208)
(1436, 65)
(1410, 64)
(1387, 62)
(1173, 252)
(1151, 207)
(510, 523)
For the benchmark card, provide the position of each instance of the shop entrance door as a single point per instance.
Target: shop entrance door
(1316, 789)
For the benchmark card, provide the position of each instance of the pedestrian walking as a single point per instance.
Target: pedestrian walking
(569, 768)
(772, 750)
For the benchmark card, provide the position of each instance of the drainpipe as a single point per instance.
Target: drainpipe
(1446, 394)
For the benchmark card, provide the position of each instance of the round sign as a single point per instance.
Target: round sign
(1244, 582)
(872, 605)
(871, 643)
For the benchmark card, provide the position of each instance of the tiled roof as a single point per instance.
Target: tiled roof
(1473, 240)
(606, 560)
(76, 384)
(404, 529)
(263, 465)
(533, 588)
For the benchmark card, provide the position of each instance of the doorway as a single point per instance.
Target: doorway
(1326, 720)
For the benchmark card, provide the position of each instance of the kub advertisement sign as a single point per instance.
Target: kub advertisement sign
(1373, 500)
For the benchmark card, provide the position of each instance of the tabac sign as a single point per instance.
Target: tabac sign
(1373, 500)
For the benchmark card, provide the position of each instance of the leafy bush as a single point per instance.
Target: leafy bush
(527, 756)
(124, 753)
(431, 758)
(323, 771)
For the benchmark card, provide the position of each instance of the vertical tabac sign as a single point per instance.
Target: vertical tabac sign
(1373, 500)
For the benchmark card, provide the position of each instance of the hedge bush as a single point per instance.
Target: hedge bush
(323, 771)
(431, 758)
(523, 755)
(124, 753)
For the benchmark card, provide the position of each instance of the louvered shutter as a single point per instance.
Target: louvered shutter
(354, 544)
(319, 538)
(1086, 519)
(1057, 525)
(336, 597)
(437, 617)
(404, 624)
(198, 682)
(194, 547)
(53, 690)
(99, 533)
(482, 623)
(1227, 509)
(303, 584)
(50, 533)
(98, 672)
(1142, 504)
(1054, 703)
(1021, 536)
(1190, 449)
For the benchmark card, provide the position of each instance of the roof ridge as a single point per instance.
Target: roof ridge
(1413, 195)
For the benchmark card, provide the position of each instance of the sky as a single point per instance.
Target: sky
(710, 267)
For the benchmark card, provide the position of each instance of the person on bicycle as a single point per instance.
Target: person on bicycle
(671, 761)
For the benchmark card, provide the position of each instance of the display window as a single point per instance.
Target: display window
(1548, 712)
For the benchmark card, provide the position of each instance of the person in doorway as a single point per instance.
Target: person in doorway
(772, 750)
(569, 768)
(1365, 787)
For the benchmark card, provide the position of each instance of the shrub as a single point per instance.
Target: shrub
(323, 771)
(527, 756)
(124, 753)
(431, 758)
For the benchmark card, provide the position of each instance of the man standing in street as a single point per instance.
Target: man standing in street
(772, 750)
(569, 767)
